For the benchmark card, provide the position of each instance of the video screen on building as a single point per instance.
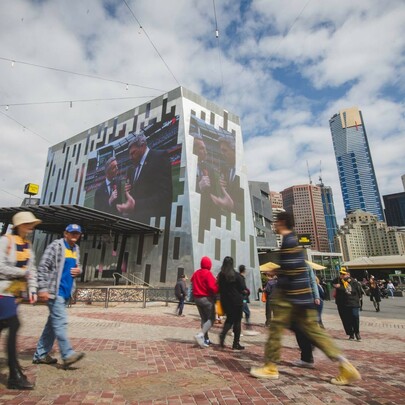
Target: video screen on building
(137, 177)
(216, 180)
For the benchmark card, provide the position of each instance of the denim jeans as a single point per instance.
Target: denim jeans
(55, 328)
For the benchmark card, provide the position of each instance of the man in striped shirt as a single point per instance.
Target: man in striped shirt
(294, 303)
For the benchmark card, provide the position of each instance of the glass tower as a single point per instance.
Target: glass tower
(355, 166)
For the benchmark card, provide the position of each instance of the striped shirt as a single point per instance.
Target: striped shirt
(293, 276)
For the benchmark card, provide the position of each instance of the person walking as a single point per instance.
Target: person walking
(269, 289)
(232, 289)
(57, 270)
(342, 289)
(375, 293)
(246, 300)
(353, 297)
(390, 288)
(17, 273)
(293, 301)
(180, 291)
(205, 290)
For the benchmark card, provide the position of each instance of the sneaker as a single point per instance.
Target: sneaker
(45, 360)
(351, 337)
(74, 358)
(358, 337)
(303, 364)
(268, 371)
(199, 337)
(207, 343)
(237, 346)
(347, 374)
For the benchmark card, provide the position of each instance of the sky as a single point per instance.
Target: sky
(284, 66)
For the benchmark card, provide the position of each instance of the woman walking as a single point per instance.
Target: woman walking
(17, 273)
(232, 288)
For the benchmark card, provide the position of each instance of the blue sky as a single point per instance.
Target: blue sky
(284, 66)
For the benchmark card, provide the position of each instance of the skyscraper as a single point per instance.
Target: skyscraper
(355, 166)
(330, 215)
(305, 203)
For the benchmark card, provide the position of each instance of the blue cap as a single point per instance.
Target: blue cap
(73, 228)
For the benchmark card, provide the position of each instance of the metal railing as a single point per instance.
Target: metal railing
(135, 280)
(109, 294)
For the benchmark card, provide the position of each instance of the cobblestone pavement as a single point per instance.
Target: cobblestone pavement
(148, 356)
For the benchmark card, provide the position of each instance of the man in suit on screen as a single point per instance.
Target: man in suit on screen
(149, 183)
(109, 193)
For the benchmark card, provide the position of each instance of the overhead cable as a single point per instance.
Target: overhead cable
(151, 42)
(24, 127)
(70, 102)
(14, 61)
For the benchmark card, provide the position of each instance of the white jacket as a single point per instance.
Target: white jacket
(9, 271)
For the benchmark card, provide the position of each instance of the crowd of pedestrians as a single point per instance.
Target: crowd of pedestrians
(294, 299)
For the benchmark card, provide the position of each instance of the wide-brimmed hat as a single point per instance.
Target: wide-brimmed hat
(25, 217)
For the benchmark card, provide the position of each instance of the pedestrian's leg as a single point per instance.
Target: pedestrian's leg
(237, 323)
(181, 306)
(13, 326)
(47, 339)
(59, 324)
(304, 344)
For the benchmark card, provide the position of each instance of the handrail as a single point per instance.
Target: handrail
(134, 277)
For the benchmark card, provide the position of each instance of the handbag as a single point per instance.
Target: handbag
(218, 308)
(264, 296)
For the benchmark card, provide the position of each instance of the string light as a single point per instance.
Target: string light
(6, 107)
(12, 63)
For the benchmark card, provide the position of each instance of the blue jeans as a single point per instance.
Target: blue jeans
(56, 327)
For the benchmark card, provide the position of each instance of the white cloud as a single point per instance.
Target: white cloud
(285, 76)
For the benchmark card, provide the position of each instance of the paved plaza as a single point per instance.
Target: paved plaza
(148, 356)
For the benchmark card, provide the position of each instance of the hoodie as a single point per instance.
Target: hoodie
(204, 282)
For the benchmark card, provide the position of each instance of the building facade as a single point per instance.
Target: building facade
(262, 215)
(304, 202)
(190, 181)
(330, 215)
(364, 235)
(395, 209)
(354, 163)
(276, 206)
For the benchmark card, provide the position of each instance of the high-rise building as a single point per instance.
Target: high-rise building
(305, 203)
(355, 166)
(363, 235)
(276, 206)
(262, 214)
(330, 215)
(395, 209)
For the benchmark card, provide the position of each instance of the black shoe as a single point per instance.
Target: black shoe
(358, 337)
(19, 382)
(237, 346)
(351, 337)
(45, 360)
(222, 341)
(74, 358)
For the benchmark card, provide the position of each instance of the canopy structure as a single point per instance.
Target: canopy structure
(315, 266)
(394, 262)
(269, 266)
(56, 217)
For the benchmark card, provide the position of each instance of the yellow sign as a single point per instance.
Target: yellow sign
(31, 189)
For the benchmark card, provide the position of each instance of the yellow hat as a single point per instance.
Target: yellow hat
(343, 270)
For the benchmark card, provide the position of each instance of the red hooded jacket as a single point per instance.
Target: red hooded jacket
(204, 282)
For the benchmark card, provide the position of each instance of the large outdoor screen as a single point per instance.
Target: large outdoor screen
(216, 180)
(137, 176)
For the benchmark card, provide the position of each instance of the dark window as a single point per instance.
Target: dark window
(147, 273)
(179, 215)
(176, 248)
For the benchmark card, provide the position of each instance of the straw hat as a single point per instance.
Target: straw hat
(25, 217)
